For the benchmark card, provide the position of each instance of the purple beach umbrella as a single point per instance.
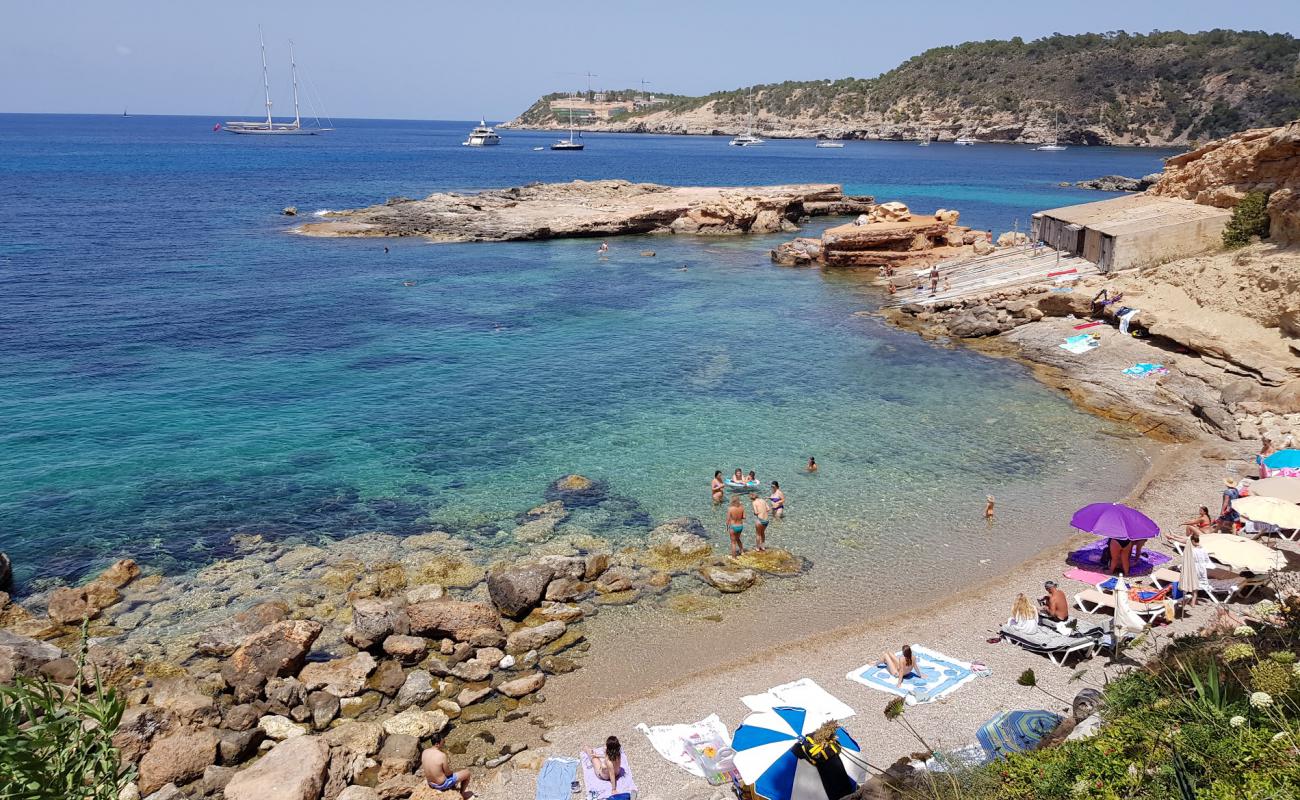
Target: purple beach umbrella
(1115, 521)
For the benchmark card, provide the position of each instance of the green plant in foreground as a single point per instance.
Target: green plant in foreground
(56, 741)
(1270, 677)
(1249, 218)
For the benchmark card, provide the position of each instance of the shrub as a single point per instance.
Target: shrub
(1249, 218)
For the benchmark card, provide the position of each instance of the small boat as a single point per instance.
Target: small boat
(570, 143)
(747, 139)
(270, 127)
(965, 141)
(535, 149)
(830, 145)
(482, 136)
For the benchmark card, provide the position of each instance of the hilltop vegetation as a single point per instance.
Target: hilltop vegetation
(1157, 88)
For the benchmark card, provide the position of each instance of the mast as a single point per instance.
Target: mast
(293, 69)
(266, 81)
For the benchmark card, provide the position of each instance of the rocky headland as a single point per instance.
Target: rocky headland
(889, 235)
(1118, 183)
(316, 669)
(591, 209)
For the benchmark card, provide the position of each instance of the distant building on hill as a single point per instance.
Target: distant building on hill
(584, 110)
(1132, 231)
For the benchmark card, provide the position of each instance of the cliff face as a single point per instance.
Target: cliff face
(1223, 171)
(1162, 89)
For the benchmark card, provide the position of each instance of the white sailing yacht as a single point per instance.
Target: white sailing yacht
(1056, 136)
(270, 126)
(569, 143)
(965, 141)
(926, 141)
(482, 136)
(747, 139)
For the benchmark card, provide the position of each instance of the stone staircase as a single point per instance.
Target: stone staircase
(1005, 268)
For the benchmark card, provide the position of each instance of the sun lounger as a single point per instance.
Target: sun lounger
(1095, 601)
(1046, 641)
(598, 789)
(1217, 590)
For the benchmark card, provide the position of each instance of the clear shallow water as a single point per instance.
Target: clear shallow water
(175, 368)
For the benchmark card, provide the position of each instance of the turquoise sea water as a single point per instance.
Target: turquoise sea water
(175, 367)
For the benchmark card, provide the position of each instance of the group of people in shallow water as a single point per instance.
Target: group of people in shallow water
(765, 509)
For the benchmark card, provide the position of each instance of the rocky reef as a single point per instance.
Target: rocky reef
(1224, 171)
(315, 669)
(591, 209)
(889, 235)
(1118, 183)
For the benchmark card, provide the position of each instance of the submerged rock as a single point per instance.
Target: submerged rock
(577, 491)
(728, 581)
(773, 561)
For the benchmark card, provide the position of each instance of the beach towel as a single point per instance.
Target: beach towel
(943, 676)
(1086, 576)
(1087, 325)
(599, 789)
(1143, 369)
(804, 693)
(555, 780)
(1089, 558)
(670, 740)
(1080, 344)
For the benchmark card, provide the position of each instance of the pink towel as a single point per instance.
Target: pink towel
(1087, 576)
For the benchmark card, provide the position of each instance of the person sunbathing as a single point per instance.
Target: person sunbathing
(904, 667)
(1201, 524)
(1024, 619)
(608, 765)
(1054, 605)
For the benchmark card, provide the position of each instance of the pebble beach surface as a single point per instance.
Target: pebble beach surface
(1183, 477)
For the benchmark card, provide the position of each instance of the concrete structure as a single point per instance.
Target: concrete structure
(1132, 231)
(584, 109)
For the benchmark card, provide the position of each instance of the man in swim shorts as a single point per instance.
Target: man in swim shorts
(436, 770)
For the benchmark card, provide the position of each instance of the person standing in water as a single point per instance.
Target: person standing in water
(762, 516)
(812, 464)
(736, 525)
(603, 249)
(988, 509)
(716, 486)
(778, 501)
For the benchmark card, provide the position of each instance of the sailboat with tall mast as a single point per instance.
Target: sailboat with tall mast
(569, 143)
(270, 126)
(747, 139)
(1056, 136)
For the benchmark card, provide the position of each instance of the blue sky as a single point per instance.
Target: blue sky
(431, 59)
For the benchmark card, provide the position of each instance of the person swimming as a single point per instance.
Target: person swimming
(777, 499)
(812, 464)
(716, 486)
(736, 525)
(738, 477)
(752, 478)
(603, 249)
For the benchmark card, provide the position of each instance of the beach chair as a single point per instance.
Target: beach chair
(1047, 641)
(1218, 589)
(1096, 601)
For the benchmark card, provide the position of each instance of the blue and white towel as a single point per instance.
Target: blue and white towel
(1143, 369)
(1080, 344)
(943, 676)
(556, 778)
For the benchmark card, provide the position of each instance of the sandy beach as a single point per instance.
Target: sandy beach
(1182, 478)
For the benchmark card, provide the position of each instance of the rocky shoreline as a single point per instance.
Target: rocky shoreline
(317, 669)
(591, 209)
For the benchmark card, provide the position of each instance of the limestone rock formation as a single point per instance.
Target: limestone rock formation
(517, 588)
(1222, 172)
(275, 651)
(293, 770)
(455, 618)
(223, 638)
(590, 209)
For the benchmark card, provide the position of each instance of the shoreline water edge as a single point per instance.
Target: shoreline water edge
(367, 646)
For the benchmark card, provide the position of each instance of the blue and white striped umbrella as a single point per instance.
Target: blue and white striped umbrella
(768, 756)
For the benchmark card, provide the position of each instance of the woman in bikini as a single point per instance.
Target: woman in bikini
(777, 499)
(903, 667)
(1201, 524)
(717, 486)
(762, 516)
(608, 765)
(736, 525)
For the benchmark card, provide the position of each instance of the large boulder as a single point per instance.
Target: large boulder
(407, 649)
(177, 757)
(418, 689)
(225, 637)
(22, 655)
(400, 755)
(520, 687)
(293, 770)
(360, 737)
(417, 723)
(275, 651)
(516, 589)
(454, 618)
(373, 621)
(525, 639)
(727, 580)
(341, 677)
